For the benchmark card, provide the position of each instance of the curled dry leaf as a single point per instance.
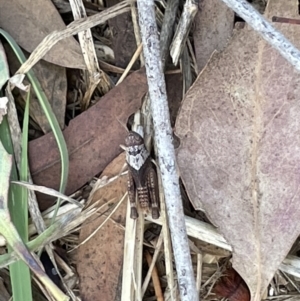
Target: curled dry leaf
(239, 156)
(28, 22)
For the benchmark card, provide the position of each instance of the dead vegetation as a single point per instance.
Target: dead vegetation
(234, 106)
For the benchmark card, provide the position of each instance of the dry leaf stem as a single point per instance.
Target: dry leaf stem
(266, 30)
(165, 150)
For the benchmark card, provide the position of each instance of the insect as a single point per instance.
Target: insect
(142, 178)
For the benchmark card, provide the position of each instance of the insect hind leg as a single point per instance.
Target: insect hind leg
(153, 190)
(131, 195)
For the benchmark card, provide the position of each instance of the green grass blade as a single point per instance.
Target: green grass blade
(49, 114)
(19, 271)
(4, 71)
(7, 228)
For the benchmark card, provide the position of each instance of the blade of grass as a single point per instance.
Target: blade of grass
(19, 271)
(8, 230)
(18, 200)
(4, 71)
(11, 232)
(49, 114)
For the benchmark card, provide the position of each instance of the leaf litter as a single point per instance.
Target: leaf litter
(103, 253)
(30, 31)
(238, 156)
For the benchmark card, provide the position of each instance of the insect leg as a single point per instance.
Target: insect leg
(131, 195)
(153, 190)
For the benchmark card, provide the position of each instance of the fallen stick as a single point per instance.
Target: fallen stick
(165, 150)
(266, 30)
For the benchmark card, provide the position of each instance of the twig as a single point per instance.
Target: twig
(138, 254)
(155, 278)
(152, 263)
(188, 15)
(199, 271)
(172, 285)
(167, 29)
(128, 260)
(165, 150)
(136, 29)
(208, 233)
(266, 30)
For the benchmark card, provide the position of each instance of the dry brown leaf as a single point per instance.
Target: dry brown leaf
(93, 138)
(53, 81)
(239, 156)
(100, 259)
(213, 27)
(28, 22)
(123, 40)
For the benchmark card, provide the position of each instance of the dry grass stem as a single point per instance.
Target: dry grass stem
(136, 29)
(128, 287)
(130, 64)
(89, 53)
(199, 271)
(48, 191)
(72, 29)
(106, 219)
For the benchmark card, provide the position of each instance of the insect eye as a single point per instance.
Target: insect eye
(138, 140)
(133, 138)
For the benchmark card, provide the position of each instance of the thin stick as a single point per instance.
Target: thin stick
(167, 29)
(132, 61)
(266, 30)
(155, 278)
(138, 253)
(167, 244)
(199, 271)
(187, 17)
(152, 263)
(128, 291)
(285, 20)
(165, 150)
(208, 233)
(136, 28)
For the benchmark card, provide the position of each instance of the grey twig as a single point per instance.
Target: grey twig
(187, 17)
(266, 30)
(167, 29)
(165, 150)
